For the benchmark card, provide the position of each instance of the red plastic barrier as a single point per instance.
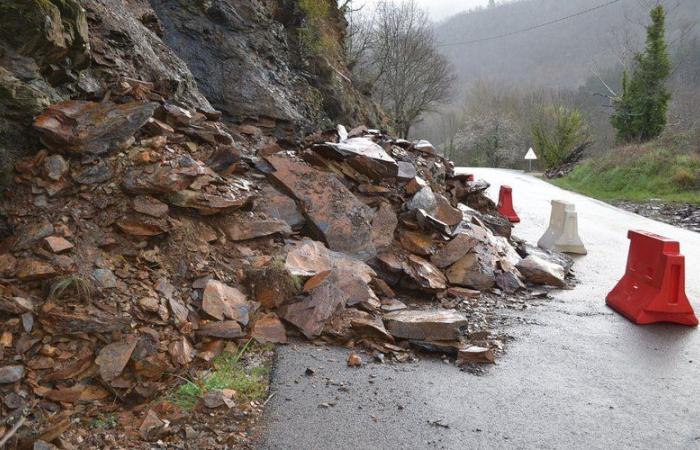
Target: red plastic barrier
(653, 287)
(505, 204)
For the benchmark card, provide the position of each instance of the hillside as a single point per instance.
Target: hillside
(558, 55)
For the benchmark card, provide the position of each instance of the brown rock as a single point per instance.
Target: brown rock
(160, 178)
(228, 329)
(424, 275)
(55, 167)
(224, 302)
(280, 206)
(273, 284)
(65, 320)
(57, 244)
(241, 228)
(371, 327)
(433, 325)
(509, 282)
(87, 127)
(334, 213)
(354, 360)
(311, 314)
(16, 305)
(539, 271)
(32, 233)
(453, 251)
(151, 427)
(418, 243)
(145, 204)
(384, 224)
(474, 354)
(181, 351)
(269, 328)
(446, 213)
(415, 185)
(8, 264)
(463, 293)
(31, 269)
(308, 258)
(113, 358)
(134, 226)
(208, 204)
(473, 270)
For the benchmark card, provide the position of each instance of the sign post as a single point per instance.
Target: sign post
(529, 156)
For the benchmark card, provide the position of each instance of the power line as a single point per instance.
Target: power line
(535, 27)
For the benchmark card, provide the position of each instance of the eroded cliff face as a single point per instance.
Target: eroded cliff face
(254, 60)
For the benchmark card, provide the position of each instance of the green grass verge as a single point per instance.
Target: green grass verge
(638, 173)
(230, 371)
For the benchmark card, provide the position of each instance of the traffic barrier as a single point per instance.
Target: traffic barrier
(653, 287)
(562, 233)
(505, 204)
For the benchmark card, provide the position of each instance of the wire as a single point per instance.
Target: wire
(524, 30)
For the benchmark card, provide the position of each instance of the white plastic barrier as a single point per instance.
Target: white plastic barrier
(562, 234)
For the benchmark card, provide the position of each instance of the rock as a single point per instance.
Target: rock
(424, 146)
(453, 251)
(446, 213)
(391, 305)
(407, 171)
(100, 172)
(208, 204)
(105, 278)
(384, 224)
(371, 327)
(145, 204)
(160, 178)
(463, 293)
(423, 199)
(423, 275)
(509, 282)
(113, 358)
(224, 302)
(312, 313)
(364, 156)
(473, 270)
(32, 233)
(227, 329)
(87, 127)
(141, 227)
(57, 319)
(55, 167)
(11, 374)
(217, 398)
(551, 256)
(269, 329)
(539, 271)
(16, 305)
(415, 185)
(273, 284)
(243, 229)
(353, 285)
(308, 258)
(474, 354)
(30, 269)
(417, 243)
(149, 304)
(432, 325)
(43, 445)
(57, 244)
(334, 213)
(181, 351)
(354, 360)
(280, 206)
(151, 427)
(8, 264)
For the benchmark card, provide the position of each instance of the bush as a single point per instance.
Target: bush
(556, 132)
(684, 178)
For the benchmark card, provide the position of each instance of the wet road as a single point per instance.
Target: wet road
(580, 377)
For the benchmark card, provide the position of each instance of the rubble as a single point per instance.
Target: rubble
(147, 239)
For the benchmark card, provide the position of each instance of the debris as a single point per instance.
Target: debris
(57, 244)
(11, 374)
(539, 271)
(269, 328)
(354, 360)
(224, 302)
(476, 354)
(432, 325)
(113, 358)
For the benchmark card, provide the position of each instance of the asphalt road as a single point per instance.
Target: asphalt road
(581, 376)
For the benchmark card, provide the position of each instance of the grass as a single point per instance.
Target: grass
(250, 381)
(638, 173)
(104, 422)
(74, 286)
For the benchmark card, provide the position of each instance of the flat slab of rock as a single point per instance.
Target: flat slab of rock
(540, 271)
(433, 325)
(473, 270)
(11, 374)
(308, 258)
(114, 357)
(474, 354)
(87, 127)
(365, 156)
(269, 328)
(242, 228)
(228, 329)
(279, 206)
(384, 224)
(335, 214)
(225, 302)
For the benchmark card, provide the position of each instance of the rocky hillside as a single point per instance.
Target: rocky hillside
(275, 63)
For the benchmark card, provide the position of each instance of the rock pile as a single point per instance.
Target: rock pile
(146, 235)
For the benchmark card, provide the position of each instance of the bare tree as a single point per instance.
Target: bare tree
(401, 63)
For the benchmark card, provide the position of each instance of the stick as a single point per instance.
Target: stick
(12, 431)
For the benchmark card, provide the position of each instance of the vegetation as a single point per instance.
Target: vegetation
(659, 170)
(641, 108)
(314, 33)
(239, 372)
(557, 131)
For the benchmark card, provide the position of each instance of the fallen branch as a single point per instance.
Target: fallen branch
(12, 431)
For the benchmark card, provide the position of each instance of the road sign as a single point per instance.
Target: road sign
(529, 156)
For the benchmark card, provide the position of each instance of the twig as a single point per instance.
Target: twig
(12, 431)
(268, 399)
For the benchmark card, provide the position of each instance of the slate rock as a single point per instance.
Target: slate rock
(431, 325)
(540, 271)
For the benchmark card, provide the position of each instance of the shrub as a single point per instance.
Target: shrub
(557, 132)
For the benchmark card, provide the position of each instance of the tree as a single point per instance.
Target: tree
(401, 64)
(556, 132)
(641, 107)
(490, 139)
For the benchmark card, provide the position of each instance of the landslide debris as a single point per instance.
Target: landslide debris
(149, 238)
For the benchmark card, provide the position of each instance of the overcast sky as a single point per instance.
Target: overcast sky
(439, 9)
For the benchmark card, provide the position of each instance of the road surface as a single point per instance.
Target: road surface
(581, 377)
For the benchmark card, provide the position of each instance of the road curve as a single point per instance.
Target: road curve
(579, 376)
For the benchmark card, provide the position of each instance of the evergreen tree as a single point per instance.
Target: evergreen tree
(640, 110)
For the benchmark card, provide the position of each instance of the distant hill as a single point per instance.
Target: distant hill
(559, 55)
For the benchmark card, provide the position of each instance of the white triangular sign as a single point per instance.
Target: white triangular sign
(530, 154)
